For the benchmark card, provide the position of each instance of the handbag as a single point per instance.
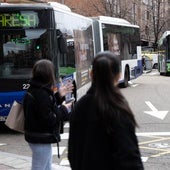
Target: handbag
(15, 118)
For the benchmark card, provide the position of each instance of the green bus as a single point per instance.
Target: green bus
(164, 54)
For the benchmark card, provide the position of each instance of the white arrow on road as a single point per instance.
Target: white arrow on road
(154, 112)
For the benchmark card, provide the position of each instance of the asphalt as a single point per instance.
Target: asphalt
(10, 161)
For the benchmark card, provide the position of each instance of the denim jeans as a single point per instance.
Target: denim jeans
(41, 156)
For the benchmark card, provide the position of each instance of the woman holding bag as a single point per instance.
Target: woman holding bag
(44, 113)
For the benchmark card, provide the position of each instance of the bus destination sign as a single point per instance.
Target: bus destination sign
(8, 20)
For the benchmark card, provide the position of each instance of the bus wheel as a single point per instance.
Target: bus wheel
(155, 66)
(126, 78)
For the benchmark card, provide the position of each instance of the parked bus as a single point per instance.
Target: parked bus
(123, 39)
(164, 54)
(29, 32)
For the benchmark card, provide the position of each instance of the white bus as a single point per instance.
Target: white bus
(123, 39)
(29, 32)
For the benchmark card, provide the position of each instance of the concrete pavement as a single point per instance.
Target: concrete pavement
(10, 161)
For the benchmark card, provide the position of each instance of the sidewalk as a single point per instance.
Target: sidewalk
(10, 161)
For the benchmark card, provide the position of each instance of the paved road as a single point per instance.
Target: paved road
(153, 133)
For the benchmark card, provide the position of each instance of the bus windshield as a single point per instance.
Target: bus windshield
(20, 49)
(23, 40)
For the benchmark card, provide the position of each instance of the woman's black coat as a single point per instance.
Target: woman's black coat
(43, 114)
(92, 148)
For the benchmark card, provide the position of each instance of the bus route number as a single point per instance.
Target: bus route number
(26, 86)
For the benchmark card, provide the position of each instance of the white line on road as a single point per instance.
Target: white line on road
(2, 144)
(155, 112)
(144, 159)
(153, 134)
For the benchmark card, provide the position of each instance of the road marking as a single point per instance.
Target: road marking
(155, 140)
(132, 84)
(135, 85)
(154, 112)
(2, 144)
(162, 151)
(160, 154)
(66, 125)
(55, 166)
(153, 134)
(55, 152)
(144, 159)
(64, 136)
(64, 162)
(159, 145)
(154, 149)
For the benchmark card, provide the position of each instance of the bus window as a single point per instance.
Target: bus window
(62, 42)
(20, 50)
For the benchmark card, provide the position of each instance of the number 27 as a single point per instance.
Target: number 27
(26, 86)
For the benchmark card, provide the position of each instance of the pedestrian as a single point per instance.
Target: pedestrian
(44, 112)
(102, 125)
(143, 62)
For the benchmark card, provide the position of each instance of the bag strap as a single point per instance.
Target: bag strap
(58, 149)
(29, 94)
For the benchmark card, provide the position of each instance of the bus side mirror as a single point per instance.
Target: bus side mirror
(62, 42)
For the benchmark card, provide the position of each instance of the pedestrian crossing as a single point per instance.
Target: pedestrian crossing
(63, 161)
(63, 150)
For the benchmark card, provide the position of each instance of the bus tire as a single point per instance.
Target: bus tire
(155, 66)
(124, 84)
(126, 78)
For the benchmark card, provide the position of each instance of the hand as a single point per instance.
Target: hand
(68, 105)
(66, 88)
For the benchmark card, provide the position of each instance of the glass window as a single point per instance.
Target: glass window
(122, 41)
(78, 33)
(168, 46)
(19, 49)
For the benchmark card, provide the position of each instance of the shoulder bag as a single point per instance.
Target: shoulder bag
(15, 119)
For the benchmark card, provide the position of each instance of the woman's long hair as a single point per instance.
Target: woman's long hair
(107, 96)
(43, 71)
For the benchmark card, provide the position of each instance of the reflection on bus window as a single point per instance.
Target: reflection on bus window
(20, 50)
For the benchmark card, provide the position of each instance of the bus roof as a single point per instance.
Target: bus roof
(59, 6)
(36, 6)
(63, 8)
(40, 6)
(49, 5)
(114, 21)
(165, 34)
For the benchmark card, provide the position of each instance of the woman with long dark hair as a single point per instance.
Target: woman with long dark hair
(44, 112)
(102, 125)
